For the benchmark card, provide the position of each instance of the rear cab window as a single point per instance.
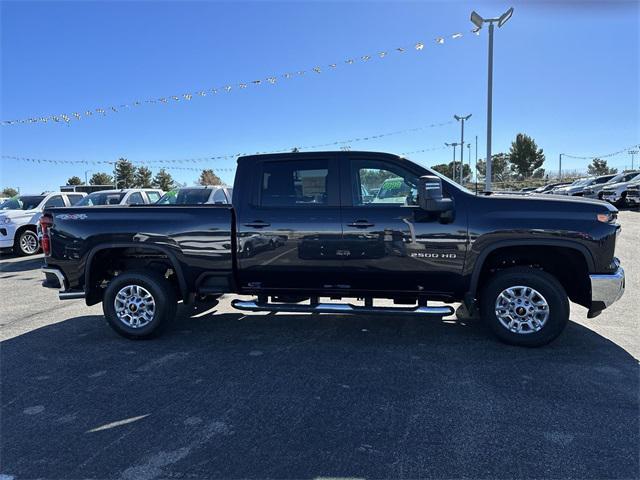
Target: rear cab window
(291, 183)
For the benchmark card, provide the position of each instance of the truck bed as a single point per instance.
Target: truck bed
(198, 240)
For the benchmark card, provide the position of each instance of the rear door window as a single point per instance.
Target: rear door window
(219, 197)
(153, 197)
(135, 199)
(55, 201)
(74, 198)
(295, 183)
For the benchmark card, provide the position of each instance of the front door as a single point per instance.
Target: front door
(391, 243)
(289, 235)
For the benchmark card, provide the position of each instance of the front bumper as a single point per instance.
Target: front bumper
(7, 235)
(54, 278)
(605, 290)
(632, 200)
(611, 197)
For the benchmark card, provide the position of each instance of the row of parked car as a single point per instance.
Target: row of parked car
(19, 215)
(621, 189)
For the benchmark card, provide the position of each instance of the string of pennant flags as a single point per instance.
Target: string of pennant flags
(236, 155)
(607, 155)
(67, 118)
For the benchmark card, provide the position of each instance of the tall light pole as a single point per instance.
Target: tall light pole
(633, 154)
(475, 168)
(453, 165)
(85, 176)
(462, 119)
(469, 155)
(478, 21)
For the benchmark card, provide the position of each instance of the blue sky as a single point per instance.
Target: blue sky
(566, 73)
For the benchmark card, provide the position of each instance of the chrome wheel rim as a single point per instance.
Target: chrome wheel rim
(29, 243)
(522, 310)
(135, 306)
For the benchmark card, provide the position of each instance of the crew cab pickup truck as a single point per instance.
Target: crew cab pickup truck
(514, 261)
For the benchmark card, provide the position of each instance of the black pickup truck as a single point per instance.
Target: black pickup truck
(343, 225)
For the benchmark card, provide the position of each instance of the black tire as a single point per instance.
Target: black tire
(163, 296)
(547, 285)
(26, 235)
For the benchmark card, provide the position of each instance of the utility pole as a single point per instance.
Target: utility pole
(461, 119)
(453, 165)
(560, 167)
(478, 21)
(633, 154)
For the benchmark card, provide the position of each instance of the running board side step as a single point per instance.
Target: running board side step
(343, 308)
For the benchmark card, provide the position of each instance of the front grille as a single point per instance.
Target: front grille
(608, 192)
(633, 192)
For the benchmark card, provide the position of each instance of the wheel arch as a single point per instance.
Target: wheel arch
(92, 299)
(504, 246)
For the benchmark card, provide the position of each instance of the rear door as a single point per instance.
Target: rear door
(390, 243)
(289, 230)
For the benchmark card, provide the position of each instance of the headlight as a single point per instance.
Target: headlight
(5, 220)
(609, 217)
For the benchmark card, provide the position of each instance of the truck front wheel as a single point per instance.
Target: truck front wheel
(525, 306)
(139, 304)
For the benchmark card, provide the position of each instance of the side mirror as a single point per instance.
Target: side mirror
(430, 195)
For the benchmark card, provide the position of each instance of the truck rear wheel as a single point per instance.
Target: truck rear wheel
(139, 304)
(525, 306)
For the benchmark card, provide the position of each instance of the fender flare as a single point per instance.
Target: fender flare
(475, 276)
(182, 283)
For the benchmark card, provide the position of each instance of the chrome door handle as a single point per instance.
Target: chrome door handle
(257, 224)
(361, 224)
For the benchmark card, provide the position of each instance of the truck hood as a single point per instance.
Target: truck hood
(618, 186)
(562, 201)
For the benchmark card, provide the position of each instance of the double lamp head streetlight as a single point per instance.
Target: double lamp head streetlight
(478, 21)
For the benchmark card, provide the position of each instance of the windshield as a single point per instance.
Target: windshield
(580, 183)
(630, 176)
(101, 198)
(186, 196)
(22, 203)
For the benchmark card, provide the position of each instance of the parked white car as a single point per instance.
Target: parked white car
(125, 196)
(19, 219)
(617, 192)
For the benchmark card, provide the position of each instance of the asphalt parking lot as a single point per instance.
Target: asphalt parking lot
(229, 395)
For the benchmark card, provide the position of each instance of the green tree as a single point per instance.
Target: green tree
(143, 178)
(525, 157)
(163, 180)
(599, 167)
(74, 181)
(446, 169)
(101, 178)
(9, 192)
(125, 173)
(207, 177)
(500, 168)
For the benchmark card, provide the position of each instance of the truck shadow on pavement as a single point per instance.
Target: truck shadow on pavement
(19, 265)
(291, 396)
